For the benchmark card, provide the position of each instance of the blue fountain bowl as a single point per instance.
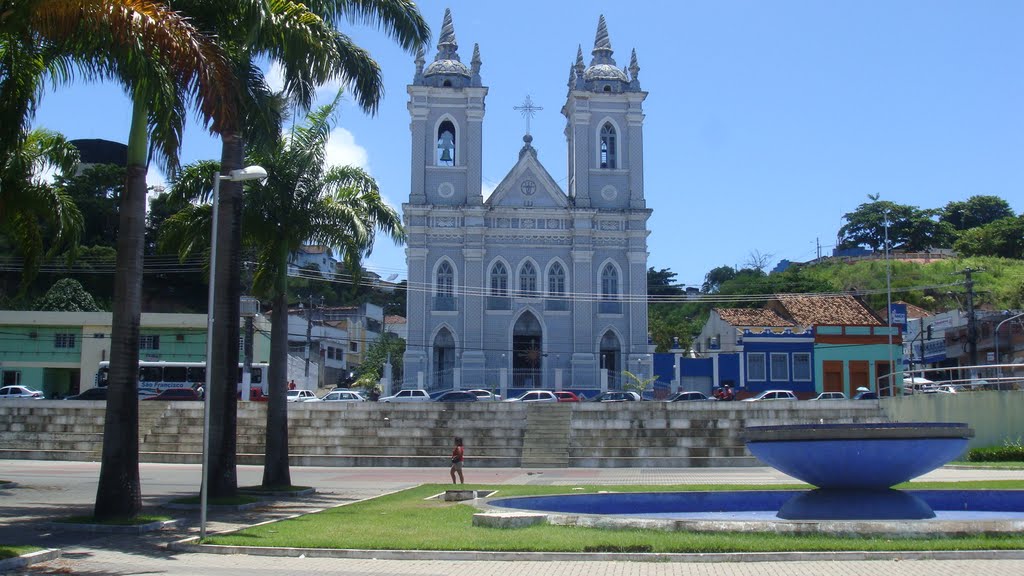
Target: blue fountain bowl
(857, 456)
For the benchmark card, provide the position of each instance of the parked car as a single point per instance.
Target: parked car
(485, 395)
(866, 395)
(302, 396)
(690, 396)
(917, 384)
(566, 396)
(616, 396)
(343, 396)
(175, 394)
(535, 396)
(97, 393)
(456, 396)
(949, 389)
(830, 396)
(772, 395)
(19, 392)
(407, 396)
(145, 393)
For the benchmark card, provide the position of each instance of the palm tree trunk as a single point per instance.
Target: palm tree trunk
(223, 474)
(119, 494)
(275, 462)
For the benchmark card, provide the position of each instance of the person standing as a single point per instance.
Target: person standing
(458, 455)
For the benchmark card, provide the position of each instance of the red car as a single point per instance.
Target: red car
(175, 394)
(564, 396)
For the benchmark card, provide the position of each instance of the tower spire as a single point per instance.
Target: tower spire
(634, 71)
(602, 51)
(447, 46)
(475, 64)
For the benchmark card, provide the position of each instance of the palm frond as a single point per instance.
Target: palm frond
(399, 19)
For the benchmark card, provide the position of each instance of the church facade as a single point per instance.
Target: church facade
(533, 286)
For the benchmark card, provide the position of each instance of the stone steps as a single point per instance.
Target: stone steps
(647, 434)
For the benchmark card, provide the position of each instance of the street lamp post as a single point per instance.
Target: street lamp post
(240, 175)
(888, 313)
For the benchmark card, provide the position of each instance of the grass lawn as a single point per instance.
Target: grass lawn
(138, 520)
(12, 551)
(406, 521)
(992, 465)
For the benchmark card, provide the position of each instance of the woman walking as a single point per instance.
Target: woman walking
(458, 454)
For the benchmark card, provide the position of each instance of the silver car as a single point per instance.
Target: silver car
(343, 396)
(19, 392)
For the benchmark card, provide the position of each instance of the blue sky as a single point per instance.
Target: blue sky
(766, 121)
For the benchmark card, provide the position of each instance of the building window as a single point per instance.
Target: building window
(353, 347)
(528, 280)
(780, 367)
(608, 146)
(149, 342)
(63, 340)
(556, 280)
(11, 378)
(445, 280)
(609, 291)
(499, 280)
(755, 366)
(446, 144)
(802, 366)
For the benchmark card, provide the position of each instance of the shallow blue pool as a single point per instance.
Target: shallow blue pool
(756, 505)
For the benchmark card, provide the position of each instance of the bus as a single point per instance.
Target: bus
(159, 376)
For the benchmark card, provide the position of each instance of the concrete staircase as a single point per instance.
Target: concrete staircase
(546, 443)
(496, 434)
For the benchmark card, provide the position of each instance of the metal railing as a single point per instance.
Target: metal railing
(987, 377)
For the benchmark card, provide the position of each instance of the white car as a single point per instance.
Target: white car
(19, 392)
(536, 396)
(343, 396)
(830, 396)
(302, 396)
(772, 395)
(408, 396)
(485, 395)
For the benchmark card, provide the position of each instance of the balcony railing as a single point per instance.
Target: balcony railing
(444, 303)
(526, 378)
(499, 303)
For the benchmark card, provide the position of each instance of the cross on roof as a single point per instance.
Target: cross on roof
(528, 109)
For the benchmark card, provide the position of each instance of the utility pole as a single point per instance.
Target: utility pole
(309, 334)
(972, 321)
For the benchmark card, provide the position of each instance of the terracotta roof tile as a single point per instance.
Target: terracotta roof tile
(840, 310)
(390, 320)
(752, 317)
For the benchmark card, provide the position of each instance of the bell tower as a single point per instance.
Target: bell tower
(446, 105)
(604, 128)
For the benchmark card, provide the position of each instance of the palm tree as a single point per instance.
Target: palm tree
(163, 63)
(302, 200)
(309, 57)
(33, 212)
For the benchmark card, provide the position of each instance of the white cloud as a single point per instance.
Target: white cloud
(342, 150)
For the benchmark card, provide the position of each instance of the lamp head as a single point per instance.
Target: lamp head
(248, 173)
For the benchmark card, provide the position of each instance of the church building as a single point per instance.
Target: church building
(533, 286)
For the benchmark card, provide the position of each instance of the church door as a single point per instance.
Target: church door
(527, 340)
(444, 361)
(610, 358)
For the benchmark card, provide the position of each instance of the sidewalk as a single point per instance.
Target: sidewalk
(48, 490)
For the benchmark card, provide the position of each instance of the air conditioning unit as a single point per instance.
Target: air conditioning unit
(249, 306)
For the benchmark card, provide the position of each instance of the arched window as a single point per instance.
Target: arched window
(608, 146)
(528, 279)
(556, 280)
(446, 144)
(609, 282)
(444, 288)
(445, 279)
(499, 280)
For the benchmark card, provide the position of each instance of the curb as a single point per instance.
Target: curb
(221, 507)
(114, 529)
(280, 494)
(189, 545)
(10, 564)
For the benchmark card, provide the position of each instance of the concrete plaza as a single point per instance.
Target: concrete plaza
(49, 490)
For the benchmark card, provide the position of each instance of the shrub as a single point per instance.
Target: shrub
(1010, 451)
